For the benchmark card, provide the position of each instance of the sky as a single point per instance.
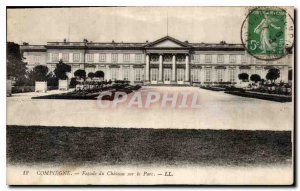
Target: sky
(127, 24)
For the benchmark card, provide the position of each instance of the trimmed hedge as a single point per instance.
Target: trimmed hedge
(263, 96)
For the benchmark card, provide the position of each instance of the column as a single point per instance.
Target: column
(174, 68)
(187, 68)
(147, 68)
(160, 70)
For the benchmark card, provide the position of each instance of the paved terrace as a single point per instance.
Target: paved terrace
(217, 111)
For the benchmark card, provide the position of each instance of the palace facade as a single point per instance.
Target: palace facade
(164, 61)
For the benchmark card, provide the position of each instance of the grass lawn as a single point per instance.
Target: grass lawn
(36, 144)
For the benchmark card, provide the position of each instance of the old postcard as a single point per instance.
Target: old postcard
(150, 96)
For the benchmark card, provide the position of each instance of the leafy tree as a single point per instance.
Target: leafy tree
(39, 73)
(80, 73)
(91, 75)
(244, 77)
(273, 74)
(255, 78)
(99, 74)
(61, 70)
(15, 66)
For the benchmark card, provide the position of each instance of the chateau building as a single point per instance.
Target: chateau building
(164, 61)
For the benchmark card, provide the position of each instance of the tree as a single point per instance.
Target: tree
(39, 73)
(15, 66)
(244, 77)
(80, 73)
(273, 74)
(99, 74)
(91, 75)
(61, 70)
(255, 78)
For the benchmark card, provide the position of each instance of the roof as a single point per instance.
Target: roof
(127, 45)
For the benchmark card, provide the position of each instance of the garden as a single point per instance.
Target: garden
(256, 87)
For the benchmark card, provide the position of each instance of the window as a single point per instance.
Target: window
(196, 58)
(76, 57)
(102, 57)
(167, 74)
(126, 73)
(208, 75)
(259, 72)
(114, 73)
(243, 58)
(54, 57)
(138, 74)
(154, 74)
(232, 75)
(65, 57)
(232, 58)
(114, 58)
(36, 59)
(219, 75)
(138, 57)
(90, 57)
(195, 75)
(180, 74)
(167, 58)
(220, 58)
(208, 58)
(154, 58)
(126, 57)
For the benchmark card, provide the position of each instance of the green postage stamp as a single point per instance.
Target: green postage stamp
(266, 32)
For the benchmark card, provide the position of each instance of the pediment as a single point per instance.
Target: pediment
(167, 42)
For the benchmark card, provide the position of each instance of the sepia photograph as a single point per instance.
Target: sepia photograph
(150, 95)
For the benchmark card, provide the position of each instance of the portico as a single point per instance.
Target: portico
(167, 62)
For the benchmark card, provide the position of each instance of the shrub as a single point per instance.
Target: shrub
(73, 82)
(255, 78)
(244, 77)
(80, 73)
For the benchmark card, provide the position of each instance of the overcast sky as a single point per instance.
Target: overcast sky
(127, 24)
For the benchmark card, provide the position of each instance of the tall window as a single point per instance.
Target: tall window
(195, 75)
(208, 58)
(180, 74)
(232, 75)
(126, 72)
(220, 75)
(114, 58)
(126, 57)
(54, 57)
(138, 74)
(76, 57)
(167, 74)
(138, 57)
(154, 74)
(90, 57)
(232, 58)
(220, 58)
(114, 73)
(36, 59)
(102, 57)
(208, 75)
(196, 58)
(259, 72)
(243, 58)
(65, 57)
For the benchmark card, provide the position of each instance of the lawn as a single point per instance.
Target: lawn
(36, 144)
